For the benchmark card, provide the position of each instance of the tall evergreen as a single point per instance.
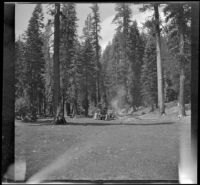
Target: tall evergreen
(123, 19)
(88, 66)
(179, 16)
(96, 28)
(58, 108)
(159, 61)
(88, 73)
(75, 79)
(20, 68)
(107, 74)
(135, 53)
(35, 61)
(160, 83)
(116, 72)
(115, 69)
(69, 70)
(48, 72)
(149, 74)
(118, 60)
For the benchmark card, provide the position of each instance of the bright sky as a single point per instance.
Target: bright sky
(24, 12)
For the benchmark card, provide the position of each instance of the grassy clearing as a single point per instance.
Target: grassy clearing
(102, 150)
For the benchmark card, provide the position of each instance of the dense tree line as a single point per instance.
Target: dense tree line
(141, 74)
(77, 77)
(33, 64)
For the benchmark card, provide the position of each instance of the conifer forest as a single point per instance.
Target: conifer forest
(58, 72)
(104, 91)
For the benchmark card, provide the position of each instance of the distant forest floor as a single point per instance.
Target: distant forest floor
(139, 147)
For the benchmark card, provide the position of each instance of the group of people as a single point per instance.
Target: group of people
(60, 120)
(103, 114)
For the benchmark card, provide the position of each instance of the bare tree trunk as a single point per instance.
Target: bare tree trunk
(97, 63)
(63, 104)
(159, 63)
(39, 103)
(68, 108)
(56, 67)
(44, 106)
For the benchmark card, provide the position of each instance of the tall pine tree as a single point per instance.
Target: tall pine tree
(88, 66)
(123, 19)
(96, 28)
(35, 61)
(179, 16)
(135, 53)
(20, 68)
(58, 108)
(48, 73)
(149, 75)
(69, 70)
(160, 83)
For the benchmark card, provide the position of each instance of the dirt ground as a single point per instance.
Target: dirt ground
(86, 149)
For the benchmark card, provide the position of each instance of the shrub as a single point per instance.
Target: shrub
(21, 107)
(171, 95)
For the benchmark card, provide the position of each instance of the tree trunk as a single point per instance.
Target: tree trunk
(63, 104)
(152, 108)
(74, 108)
(44, 106)
(86, 107)
(51, 110)
(86, 103)
(33, 100)
(39, 104)
(97, 63)
(56, 67)
(159, 63)
(68, 108)
(181, 95)
(65, 108)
